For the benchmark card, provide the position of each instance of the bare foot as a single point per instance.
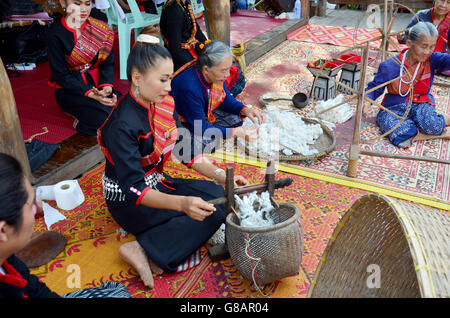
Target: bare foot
(155, 268)
(134, 254)
(446, 133)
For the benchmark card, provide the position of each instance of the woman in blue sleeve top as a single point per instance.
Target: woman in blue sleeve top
(203, 101)
(417, 64)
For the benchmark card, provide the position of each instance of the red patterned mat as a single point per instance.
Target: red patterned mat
(342, 36)
(246, 25)
(93, 242)
(283, 70)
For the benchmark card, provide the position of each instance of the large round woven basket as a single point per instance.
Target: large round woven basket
(324, 144)
(266, 254)
(386, 248)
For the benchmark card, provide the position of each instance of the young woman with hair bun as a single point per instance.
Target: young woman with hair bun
(169, 217)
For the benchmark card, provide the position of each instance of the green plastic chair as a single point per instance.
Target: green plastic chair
(197, 7)
(135, 20)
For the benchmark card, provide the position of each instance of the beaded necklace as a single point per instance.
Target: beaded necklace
(401, 76)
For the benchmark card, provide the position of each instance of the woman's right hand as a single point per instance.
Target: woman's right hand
(249, 133)
(196, 208)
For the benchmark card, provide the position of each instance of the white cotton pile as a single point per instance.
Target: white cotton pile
(337, 115)
(255, 209)
(286, 132)
(218, 237)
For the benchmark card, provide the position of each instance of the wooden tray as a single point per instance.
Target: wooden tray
(43, 247)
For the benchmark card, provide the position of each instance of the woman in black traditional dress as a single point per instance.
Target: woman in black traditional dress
(182, 35)
(17, 214)
(169, 217)
(82, 65)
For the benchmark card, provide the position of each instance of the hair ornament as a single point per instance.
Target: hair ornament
(147, 38)
(201, 46)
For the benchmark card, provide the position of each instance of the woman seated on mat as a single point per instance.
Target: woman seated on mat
(182, 35)
(416, 64)
(16, 226)
(202, 98)
(169, 217)
(82, 65)
(439, 15)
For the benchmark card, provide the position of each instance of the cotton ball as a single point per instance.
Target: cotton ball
(286, 132)
(254, 210)
(336, 115)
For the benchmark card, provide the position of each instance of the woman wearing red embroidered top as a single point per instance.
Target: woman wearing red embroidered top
(169, 217)
(439, 15)
(82, 65)
(416, 66)
(16, 226)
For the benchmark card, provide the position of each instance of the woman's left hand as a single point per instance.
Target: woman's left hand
(255, 115)
(104, 91)
(240, 181)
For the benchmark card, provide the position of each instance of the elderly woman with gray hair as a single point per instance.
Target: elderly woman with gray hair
(417, 65)
(203, 101)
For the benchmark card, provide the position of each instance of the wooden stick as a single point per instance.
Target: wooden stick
(394, 156)
(234, 211)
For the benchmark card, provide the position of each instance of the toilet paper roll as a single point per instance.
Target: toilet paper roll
(68, 194)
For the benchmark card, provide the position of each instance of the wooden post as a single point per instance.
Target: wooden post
(354, 148)
(270, 177)
(229, 190)
(321, 8)
(217, 13)
(305, 9)
(11, 138)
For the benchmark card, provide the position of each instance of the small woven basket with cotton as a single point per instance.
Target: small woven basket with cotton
(267, 249)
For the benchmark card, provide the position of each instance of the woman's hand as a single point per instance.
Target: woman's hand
(240, 181)
(366, 109)
(196, 208)
(249, 133)
(104, 91)
(255, 115)
(107, 101)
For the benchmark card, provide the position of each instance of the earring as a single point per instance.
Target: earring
(136, 91)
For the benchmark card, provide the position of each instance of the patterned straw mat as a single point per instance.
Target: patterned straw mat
(283, 71)
(93, 241)
(336, 35)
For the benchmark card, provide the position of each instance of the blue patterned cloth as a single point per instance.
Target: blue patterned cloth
(421, 118)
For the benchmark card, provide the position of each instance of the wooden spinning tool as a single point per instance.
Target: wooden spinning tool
(220, 251)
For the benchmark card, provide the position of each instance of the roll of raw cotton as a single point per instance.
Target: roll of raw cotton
(45, 193)
(68, 194)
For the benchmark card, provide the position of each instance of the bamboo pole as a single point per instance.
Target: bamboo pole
(354, 148)
(11, 138)
(218, 17)
(394, 156)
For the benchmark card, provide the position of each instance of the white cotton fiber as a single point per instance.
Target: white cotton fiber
(337, 115)
(254, 210)
(218, 237)
(286, 132)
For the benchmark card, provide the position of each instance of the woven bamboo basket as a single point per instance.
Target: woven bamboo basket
(266, 254)
(324, 144)
(386, 248)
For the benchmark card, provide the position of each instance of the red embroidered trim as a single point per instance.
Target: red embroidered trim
(12, 276)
